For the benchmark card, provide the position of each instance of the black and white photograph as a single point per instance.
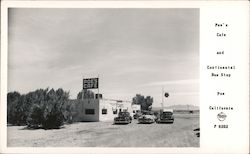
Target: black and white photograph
(103, 77)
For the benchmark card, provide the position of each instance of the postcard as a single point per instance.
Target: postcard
(124, 77)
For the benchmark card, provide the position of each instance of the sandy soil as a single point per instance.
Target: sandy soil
(105, 134)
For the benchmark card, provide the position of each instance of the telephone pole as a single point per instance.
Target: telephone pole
(162, 103)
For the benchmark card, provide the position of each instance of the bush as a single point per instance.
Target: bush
(16, 110)
(35, 118)
(41, 108)
(53, 120)
(44, 117)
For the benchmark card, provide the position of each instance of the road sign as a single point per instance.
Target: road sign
(166, 94)
(90, 83)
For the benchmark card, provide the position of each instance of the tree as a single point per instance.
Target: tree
(88, 94)
(12, 107)
(145, 102)
(149, 102)
(35, 118)
(42, 107)
(34, 102)
(17, 108)
(52, 108)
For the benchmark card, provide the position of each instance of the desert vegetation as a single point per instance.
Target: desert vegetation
(42, 108)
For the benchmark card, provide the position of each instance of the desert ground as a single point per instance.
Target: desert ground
(105, 134)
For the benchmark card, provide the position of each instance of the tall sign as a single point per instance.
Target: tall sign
(91, 83)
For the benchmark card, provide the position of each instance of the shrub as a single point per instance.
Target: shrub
(40, 108)
(53, 119)
(35, 118)
(16, 111)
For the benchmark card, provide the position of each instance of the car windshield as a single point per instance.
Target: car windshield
(122, 114)
(166, 114)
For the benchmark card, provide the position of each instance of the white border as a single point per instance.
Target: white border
(206, 145)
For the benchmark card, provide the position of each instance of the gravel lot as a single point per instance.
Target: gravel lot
(105, 134)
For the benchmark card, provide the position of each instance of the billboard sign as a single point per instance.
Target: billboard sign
(90, 83)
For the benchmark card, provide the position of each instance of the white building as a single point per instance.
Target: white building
(101, 109)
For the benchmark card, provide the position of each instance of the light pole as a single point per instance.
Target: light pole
(163, 95)
(162, 102)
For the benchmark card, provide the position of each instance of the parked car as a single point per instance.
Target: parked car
(146, 119)
(123, 118)
(166, 116)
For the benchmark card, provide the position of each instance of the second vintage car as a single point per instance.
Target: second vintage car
(146, 119)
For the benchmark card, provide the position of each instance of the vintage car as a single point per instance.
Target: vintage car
(146, 119)
(123, 118)
(166, 117)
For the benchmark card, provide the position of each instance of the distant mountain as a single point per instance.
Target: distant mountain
(179, 107)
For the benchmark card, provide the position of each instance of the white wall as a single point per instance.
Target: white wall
(81, 107)
(111, 105)
(136, 107)
(98, 105)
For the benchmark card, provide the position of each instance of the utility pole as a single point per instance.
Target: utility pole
(162, 103)
(82, 93)
(82, 88)
(98, 88)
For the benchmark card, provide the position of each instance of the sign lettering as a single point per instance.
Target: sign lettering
(91, 83)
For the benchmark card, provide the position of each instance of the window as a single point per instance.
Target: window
(89, 111)
(104, 111)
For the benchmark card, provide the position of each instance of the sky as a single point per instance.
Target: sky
(133, 51)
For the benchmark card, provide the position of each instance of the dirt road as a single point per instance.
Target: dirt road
(105, 134)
